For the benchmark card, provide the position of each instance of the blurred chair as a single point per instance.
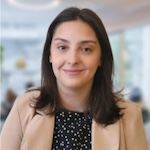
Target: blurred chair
(6, 104)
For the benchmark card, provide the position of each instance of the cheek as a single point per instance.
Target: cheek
(92, 66)
(55, 67)
(56, 62)
(53, 57)
(95, 62)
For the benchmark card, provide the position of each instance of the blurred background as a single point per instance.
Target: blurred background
(24, 24)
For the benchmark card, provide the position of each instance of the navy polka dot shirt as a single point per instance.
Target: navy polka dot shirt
(72, 131)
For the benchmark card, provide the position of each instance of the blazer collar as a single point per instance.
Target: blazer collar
(39, 134)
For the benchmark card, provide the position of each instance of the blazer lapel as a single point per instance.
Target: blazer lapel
(39, 133)
(105, 138)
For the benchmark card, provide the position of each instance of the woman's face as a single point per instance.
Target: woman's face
(75, 54)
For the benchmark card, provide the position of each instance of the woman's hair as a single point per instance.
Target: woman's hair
(102, 100)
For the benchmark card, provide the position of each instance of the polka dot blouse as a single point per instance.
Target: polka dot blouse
(72, 131)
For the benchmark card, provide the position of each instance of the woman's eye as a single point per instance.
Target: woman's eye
(86, 49)
(61, 47)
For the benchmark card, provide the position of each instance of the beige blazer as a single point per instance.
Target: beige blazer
(26, 130)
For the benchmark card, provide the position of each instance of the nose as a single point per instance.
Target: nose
(73, 57)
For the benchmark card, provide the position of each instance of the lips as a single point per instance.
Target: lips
(72, 72)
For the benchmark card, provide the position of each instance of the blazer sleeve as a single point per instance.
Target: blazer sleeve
(11, 134)
(133, 128)
(14, 128)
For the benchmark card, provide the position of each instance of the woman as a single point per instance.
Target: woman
(75, 108)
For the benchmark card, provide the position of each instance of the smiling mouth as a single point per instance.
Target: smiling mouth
(72, 72)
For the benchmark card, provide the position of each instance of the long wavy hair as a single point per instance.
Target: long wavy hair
(102, 99)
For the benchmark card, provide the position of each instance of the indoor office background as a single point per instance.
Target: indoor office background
(24, 25)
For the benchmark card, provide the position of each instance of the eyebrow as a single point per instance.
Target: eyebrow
(61, 39)
(84, 41)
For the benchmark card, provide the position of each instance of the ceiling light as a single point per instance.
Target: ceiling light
(35, 6)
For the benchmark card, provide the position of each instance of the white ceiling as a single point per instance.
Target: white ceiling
(116, 14)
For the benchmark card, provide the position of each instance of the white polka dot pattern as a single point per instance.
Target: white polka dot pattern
(72, 131)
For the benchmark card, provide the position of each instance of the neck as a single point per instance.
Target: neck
(74, 99)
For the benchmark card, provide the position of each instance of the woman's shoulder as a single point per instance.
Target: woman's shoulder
(128, 104)
(22, 111)
(28, 96)
(25, 102)
(130, 110)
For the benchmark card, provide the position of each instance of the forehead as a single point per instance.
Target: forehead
(76, 28)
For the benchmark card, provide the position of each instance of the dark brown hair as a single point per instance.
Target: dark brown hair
(102, 100)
